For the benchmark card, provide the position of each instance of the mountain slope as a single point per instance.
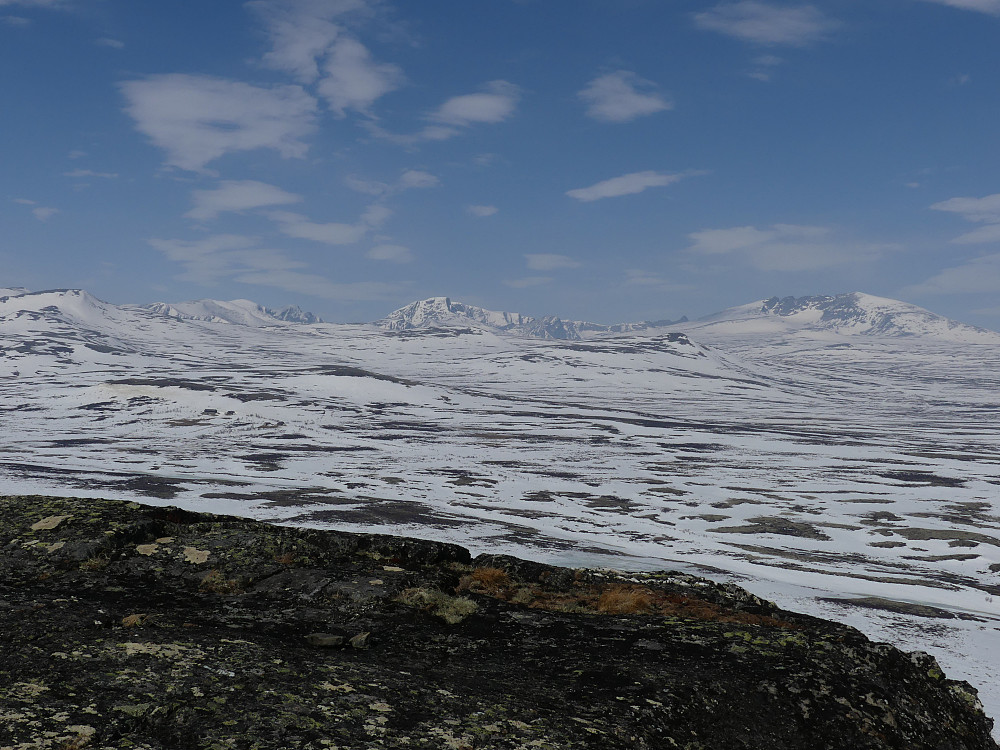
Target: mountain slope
(238, 311)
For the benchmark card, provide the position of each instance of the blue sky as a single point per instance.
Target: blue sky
(603, 159)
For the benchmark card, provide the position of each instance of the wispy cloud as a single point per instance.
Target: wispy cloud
(992, 7)
(391, 253)
(410, 179)
(82, 173)
(651, 280)
(627, 184)
(622, 96)
(979, 275)
(785, 247)
(482, 211)
(984, 210)
(15, 20)
(237, 195)
(107, 41)
(495, 103)
(222, 256)
(328, 233)
(762, 23)
(197, 119)
(527, 281)
(42, 213)
(238, 258)
(550, 262)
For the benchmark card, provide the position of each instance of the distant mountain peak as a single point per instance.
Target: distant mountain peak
(442, 312)
(854, 313)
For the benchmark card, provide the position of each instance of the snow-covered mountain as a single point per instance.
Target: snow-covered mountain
(237, 311)
(845, 314)
(442, 312)
(829, 452)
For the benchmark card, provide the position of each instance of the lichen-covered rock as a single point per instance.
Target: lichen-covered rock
(126, 626)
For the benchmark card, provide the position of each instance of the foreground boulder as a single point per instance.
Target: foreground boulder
(123, 626)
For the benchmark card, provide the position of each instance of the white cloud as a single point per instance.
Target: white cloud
(376, 215)
(415, 179)
(391, 253)
(353, 80)
(331, 233)
(528, 281)
(76, 154)
(989, 233)
(197, 119)
(24, 201)
(550, 262)
(785, 247)
(628, 184)
(109, 42)
(482, 211)
(44, 213)
(985, 209)
(16, 20)
(761, 23)
(302, 32)
(237, 195)
(494, 104)
(980, 275)
(622, 96)
(992, 7)
(80, 173)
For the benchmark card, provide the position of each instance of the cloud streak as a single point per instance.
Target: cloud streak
(984, 210)
(237, 195)
(627, 184)
(768, 25)
(991, 7)
(784, 247)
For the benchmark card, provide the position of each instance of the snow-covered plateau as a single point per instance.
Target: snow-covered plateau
(840, 455)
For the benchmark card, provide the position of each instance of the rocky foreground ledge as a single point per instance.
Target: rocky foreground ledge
(124, 626)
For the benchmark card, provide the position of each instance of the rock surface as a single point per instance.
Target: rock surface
(127, 626)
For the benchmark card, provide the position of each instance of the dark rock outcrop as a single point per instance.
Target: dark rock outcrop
(126, 626)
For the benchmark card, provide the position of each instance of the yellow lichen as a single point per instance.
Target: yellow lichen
(48, 523)
(196, 556)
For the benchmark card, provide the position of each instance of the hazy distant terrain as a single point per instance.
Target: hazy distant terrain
(835, 448)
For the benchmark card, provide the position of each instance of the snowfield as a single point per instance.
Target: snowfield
(839, 455)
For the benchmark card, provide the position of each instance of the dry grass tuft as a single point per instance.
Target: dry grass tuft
(491, 581)
(286, 559)
(216, 583)
(135, 620)
(624, 600)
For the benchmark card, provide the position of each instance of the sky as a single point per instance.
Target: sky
(608, 160)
